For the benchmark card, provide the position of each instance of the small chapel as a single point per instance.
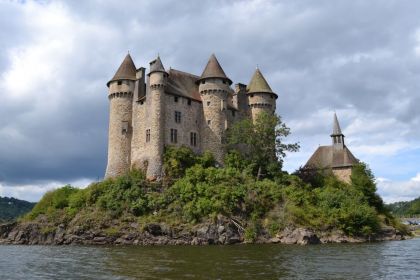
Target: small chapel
(335, 158)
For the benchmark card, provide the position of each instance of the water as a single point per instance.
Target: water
(385, 260)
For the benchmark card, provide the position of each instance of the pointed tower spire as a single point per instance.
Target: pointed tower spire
(336, 126)
(126, 71)
(337, 136)
(214, 70)
(156, 66)
(258, 84)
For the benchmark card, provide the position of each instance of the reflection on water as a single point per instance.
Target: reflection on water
(386, 260)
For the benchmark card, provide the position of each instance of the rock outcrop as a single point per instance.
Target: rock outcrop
(223, 231)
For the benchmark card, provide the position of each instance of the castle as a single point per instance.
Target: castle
(173, 107)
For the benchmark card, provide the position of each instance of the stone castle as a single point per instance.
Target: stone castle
(173, 107)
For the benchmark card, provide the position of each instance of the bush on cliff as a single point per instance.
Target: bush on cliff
(204, 191)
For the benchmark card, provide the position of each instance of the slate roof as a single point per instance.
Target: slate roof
(336, 126)
(214, 70)
(156, 66)
(183, 84)
(258, 83)
(330, 157)
(126, 71)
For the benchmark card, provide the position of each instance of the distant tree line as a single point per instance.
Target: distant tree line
(405, 208)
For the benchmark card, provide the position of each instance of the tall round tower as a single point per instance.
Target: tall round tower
(120, 95)
(214, 88)
(260, 96)
(156, 131)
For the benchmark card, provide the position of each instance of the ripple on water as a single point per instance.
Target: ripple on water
(385, 260)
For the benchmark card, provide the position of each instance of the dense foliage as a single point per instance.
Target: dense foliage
(11, 208)
(261, 143)
(405, 208)
(202, 192)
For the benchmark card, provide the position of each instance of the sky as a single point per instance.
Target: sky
(360, 59)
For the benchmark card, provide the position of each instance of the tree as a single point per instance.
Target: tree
(261, 143)
(363, 180)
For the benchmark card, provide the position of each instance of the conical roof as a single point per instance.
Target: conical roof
(258, 83)
(126, 71)
(156, 66)
(214, 70)
(336, 126)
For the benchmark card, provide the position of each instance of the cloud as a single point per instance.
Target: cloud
(393, 191)
(56, 57)
(34, 192)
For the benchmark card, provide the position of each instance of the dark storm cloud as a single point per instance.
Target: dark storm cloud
(360, 58)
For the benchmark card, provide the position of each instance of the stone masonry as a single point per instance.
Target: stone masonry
(148, 112)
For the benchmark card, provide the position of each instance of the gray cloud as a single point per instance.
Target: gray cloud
(360, 58)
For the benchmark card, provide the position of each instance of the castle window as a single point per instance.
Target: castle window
(224, 81)
(189, 101)
(252, 95)
(124, 128)
(176, 98)
(233, 113)
(208, 103)
(208, 122)
(119, 83)
(174, 135)
(193, 139)
(203, 82)
(177, 117)
(147, 135)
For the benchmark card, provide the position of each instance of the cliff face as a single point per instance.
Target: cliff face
(223, 231)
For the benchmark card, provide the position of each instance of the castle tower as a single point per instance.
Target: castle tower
(120, 95)
(337, 136)
(214, 87)
(260, 96)
(157, 82)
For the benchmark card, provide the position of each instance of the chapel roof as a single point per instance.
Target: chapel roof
(330, 157)
(336, 126)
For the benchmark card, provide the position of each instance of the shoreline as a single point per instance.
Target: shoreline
(155, 234)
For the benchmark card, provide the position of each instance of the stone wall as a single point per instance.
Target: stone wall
(343, 173)
(214, 95)
(260, 102)
(156, 120)
(120, 128)
(191, 120)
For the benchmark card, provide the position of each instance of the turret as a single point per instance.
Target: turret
(260, 96)
(120, 95)
(214, 88)
(156, 131)
(337, 136)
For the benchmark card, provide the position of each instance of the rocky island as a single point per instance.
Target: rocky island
(199, 204)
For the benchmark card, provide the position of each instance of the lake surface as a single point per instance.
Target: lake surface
(385, 260)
